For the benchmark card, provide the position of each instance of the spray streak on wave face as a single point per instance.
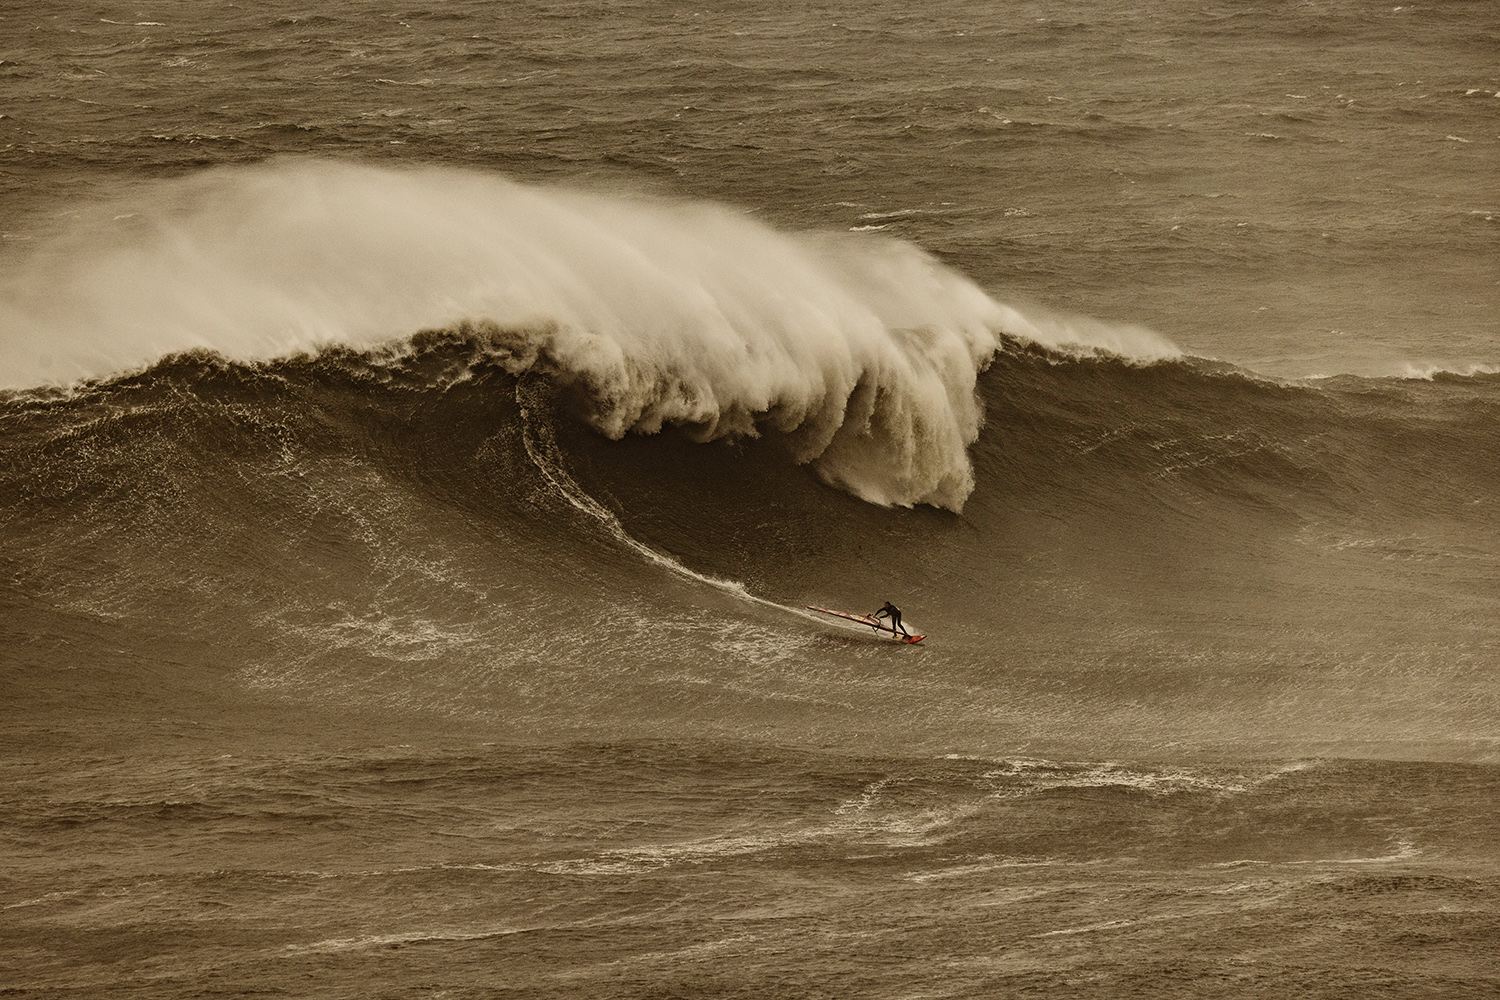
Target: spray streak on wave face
(866, 349)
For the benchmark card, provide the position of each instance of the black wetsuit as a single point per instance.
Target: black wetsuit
(894, 614)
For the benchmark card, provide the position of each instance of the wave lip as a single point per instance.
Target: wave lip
(862, 350)
(865, 348)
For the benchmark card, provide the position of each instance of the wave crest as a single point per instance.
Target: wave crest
(864, 349)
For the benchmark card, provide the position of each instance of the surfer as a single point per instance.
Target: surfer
(894, 614)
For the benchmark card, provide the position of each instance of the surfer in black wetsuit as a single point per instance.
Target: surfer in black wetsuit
(894, 614)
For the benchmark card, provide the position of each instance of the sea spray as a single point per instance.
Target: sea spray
(863, 348)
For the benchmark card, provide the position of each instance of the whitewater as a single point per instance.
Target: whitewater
(421, 431)
(661, 312)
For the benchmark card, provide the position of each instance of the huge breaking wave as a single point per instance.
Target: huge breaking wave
(1174, 549)
(865, 349)
(387, 460)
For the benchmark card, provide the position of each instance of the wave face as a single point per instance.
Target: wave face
(1163, 552)
(661, 312)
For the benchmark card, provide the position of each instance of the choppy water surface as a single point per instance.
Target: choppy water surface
(423, 428)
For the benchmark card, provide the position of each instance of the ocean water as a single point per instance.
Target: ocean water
(422, 430)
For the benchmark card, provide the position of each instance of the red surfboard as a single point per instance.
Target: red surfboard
(874, 623)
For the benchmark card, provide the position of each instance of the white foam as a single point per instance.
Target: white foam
(666, 312)
(1077, 335)
(636, 860)
(979, 866)
(878, 813)
(1107, 925)
(367, 941)
(1428, 373)
(1040, 775)
(1404, 851)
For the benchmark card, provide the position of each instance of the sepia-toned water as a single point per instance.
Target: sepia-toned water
(421, 430)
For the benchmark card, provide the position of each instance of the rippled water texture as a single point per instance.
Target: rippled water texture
(421, 430)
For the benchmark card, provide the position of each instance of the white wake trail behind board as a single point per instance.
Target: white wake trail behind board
(542, 449)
